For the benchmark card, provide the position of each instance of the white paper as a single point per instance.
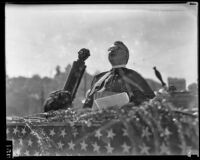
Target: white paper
(108, 101)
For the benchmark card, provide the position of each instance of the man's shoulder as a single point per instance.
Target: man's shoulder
(134, 75)
(131, 72)
(127, 71)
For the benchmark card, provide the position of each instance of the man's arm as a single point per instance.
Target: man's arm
(90, 98)
(136, 78)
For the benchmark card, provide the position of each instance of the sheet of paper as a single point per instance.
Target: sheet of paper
(108, 101)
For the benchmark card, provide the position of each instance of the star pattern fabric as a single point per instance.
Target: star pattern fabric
(109, 148)
(132, 134)
(60, 145)
(98, 134)
(126, 148)
(144, 149)
(15, 130)
(146, 133)
(164, 149)
(99, 142)
(71, 145)
(30, 142)
(96, 147)
(63, 133)
(52, 133)
(83, 146)
(125, 133)
(111, 134)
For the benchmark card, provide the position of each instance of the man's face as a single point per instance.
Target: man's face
(116, 55)
(113, 50)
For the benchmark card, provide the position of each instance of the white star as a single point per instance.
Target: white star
(125, 148)
(30, 142)
(52, 133)
(125, 133)
(60, 145)
(144, 149)
(110, 134)
(96, 147)
(39, 142)
(71, 124)
(83, 146)
(36, 153)
(109, 148)
(71, 145)
(15, 130)
(23, 131)
(27, 153)
(98, 134)
(32, 132)
(17, 152)
(75, 133)
(20, 141)
(7, 131)
(89, 124)
(146, 133)
(164, 149)
(167, 132)
(42, 132)
(63, 133)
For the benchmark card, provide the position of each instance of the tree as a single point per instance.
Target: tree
(36, 77)
(58, 70)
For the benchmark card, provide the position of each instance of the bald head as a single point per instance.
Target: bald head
(118, 54)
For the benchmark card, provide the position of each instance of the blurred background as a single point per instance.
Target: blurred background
(42, 42)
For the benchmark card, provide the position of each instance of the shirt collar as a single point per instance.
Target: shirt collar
(119, 66)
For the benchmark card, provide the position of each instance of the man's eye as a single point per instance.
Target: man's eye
(112, 54)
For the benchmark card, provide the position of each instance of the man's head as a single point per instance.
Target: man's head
(118, 54)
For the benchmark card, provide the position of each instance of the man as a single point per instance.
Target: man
(119, 79)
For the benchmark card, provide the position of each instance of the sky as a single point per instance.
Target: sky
(39, 37)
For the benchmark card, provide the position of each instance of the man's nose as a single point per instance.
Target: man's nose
(113, 47)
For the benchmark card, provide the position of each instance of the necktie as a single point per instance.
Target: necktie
(102, 81)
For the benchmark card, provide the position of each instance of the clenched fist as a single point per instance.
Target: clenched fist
(83, 54)
(57, 100)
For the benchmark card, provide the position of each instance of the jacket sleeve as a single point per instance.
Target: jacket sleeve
(90, 99)
(142, 84)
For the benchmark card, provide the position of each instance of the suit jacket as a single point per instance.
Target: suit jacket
(123, 80)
